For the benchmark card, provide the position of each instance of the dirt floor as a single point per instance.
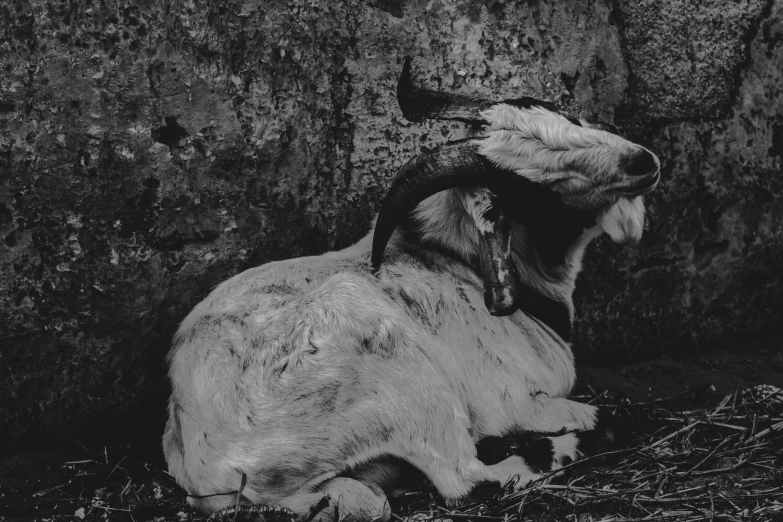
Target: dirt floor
(118, 483)
(725, 367)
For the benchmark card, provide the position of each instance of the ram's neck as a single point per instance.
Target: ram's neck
(549, 270)
(548, 250)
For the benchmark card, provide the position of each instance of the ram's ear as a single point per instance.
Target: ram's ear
(624, 221)
(501, 280)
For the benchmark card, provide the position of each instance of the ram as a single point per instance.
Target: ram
(323, 384)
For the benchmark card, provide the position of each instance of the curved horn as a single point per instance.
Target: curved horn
(452, 165)
(418, 103)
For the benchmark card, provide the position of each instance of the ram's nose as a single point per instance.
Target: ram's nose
(641, 163)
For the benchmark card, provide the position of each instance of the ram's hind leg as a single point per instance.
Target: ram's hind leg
(562, 431)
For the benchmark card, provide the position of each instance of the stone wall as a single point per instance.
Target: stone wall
(149, 150)
(705, 93)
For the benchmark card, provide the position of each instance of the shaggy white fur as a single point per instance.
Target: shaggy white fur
(585, 165)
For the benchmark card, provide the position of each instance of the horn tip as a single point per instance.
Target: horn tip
(405, 88)
(404, 81)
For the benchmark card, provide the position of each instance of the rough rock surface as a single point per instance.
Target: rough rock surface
(149, 151)
(709, 264)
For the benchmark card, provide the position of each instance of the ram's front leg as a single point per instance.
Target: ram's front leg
(560, 432)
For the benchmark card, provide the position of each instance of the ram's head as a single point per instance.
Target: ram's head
(517, 144)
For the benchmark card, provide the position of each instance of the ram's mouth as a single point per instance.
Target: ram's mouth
(642, 187)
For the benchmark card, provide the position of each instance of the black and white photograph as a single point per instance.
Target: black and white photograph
(391, 260)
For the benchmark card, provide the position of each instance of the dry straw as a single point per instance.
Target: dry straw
(719, 463)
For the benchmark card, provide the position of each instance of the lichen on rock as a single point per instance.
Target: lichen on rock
(149, 152)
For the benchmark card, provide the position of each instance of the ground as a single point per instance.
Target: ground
(706, 376)
(675, 407)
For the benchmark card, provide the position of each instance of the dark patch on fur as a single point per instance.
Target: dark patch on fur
(277, 289)
(553, 226)
(390, 473)
(376, 435)
(552, 313)
(377, 343)
(491, 450)
(384, 433)
(275, 477)
(539, 455)
(391, 294)
(535, 448)
(415, 309)
(408, 300)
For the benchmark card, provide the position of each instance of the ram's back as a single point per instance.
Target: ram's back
(281, 351)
